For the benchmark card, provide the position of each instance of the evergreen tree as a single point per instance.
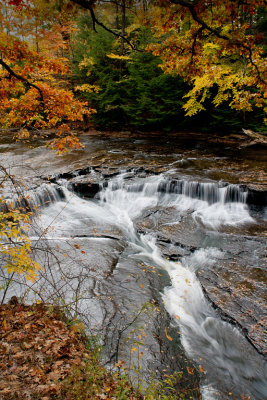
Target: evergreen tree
(129, 90)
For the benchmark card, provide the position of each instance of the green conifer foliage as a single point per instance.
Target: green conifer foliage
(130, 91)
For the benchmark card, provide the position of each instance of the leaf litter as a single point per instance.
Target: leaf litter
(43, 357)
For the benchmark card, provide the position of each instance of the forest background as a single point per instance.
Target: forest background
(165, 66)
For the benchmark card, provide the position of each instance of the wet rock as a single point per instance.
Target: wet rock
(85, 189)
(71, 174)
(240, 298)
(257, 196)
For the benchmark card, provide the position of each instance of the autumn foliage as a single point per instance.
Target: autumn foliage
(33, 362)
(33, 65)
(15, 245)
(217, 46)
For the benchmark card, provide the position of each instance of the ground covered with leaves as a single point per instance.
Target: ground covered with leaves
(44, 356)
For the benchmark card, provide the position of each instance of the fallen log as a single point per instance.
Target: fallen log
(256, 138)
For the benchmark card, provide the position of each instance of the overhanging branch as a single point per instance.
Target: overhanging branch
(21, 78)
(191, 7)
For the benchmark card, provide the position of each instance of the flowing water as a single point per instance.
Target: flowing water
(133, 209)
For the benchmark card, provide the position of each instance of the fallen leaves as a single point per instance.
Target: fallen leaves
(190, 370)
(133, 349)
(37, 351)
(42, 358)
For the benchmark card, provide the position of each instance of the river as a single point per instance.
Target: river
(159, 247)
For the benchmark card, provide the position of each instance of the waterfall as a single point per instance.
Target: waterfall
(230, 362)
(213, 204)
(36, 198)
(208, 340)
(44, 195)
(211, 192)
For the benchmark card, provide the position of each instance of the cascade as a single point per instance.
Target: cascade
(213, 204)
(44, 195)
(215, 344)
(212, 192)
(36, 198)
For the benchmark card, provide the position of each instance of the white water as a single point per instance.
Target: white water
(230, 362)
(41, 196)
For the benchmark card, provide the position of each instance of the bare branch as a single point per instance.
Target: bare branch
(88, 5)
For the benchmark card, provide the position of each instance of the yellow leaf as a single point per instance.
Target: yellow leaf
(133, 349)
(5, 325)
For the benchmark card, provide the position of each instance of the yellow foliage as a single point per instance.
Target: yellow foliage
(133, 27)
(210, 48)
(15, 246)
(23, 134)
(216, 47)
(88, 88)
(35, 93)
(117, 57)
(86, 62)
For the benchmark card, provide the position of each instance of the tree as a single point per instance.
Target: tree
(33, 42)
(217, 46)
(32, 96)
(126, 86)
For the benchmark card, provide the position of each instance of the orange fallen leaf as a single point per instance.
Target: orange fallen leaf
(5, 391)
(201, 369)
(168, 336)
(190, 370)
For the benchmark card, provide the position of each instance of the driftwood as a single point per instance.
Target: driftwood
(256, 138)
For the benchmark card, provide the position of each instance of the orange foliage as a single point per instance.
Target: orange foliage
(32, 69)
